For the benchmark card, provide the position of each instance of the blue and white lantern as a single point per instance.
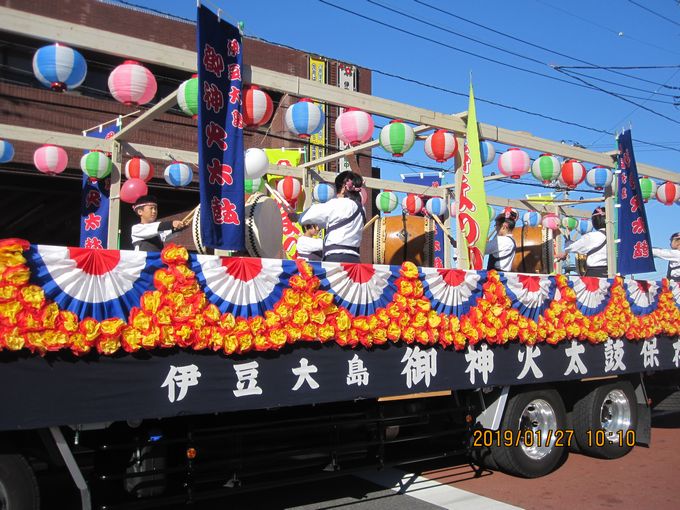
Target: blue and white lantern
(304, 118)
(531, 219)
(59, 67)
(599, 177)
(323, 192)
(488, 152)
(584, 226)
(435, 206)
(178, 174)
(6, 151)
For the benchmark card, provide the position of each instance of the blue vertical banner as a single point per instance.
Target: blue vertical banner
(634, 250)
(220, 132)
(94, 202)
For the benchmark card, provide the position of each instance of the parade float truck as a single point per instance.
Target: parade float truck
(161, 378)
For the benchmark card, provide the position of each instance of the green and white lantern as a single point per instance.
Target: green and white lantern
(253, 185)
(647, 188)
(187, 96)
(96, 165)
(397, 138)
(386, 201)
(546, 168)
(569, 223)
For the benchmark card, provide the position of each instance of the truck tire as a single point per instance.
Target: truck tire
(603, 420)
(18, 486)
(535, 415)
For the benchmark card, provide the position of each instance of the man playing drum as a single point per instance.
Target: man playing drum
(593, 244)
(149, 234)
(672, 256)
(501, 250)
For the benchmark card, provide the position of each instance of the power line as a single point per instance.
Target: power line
(655, 13)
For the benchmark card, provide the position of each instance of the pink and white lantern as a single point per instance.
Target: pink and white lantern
(668, 193)
(354, 126)
(514, 163)
(441, 145)
(551, 221)
(139, 168)
(50, 159)
(289, 188)
(132, 84)
(412, 204)
(573, 173)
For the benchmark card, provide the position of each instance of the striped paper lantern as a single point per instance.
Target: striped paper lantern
(251, 186)
(570, 223)
(599, 177)
(435, 206)
(323, 192)
(546, 168)
(289, 188)
(257, 106)
(386, 201)
(584, 226)
(648, 188)
(488, 152)
(255, 163)
(514, 163)
(412, 204)
(59, 67)
(441, 145)
(354, 126)
(492, 212)
(531, 219)
(187, 96)
(132, 84)
(551, 221)
(96, 165)
(178, 174)
(6, 151)
(139, 168)
(304, 118)
(573, 173)
(50, 159)
(668, 193)
(397, 138)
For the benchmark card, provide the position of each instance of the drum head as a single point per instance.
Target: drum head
(264, 227)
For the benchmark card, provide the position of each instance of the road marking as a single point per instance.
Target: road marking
(431, 491)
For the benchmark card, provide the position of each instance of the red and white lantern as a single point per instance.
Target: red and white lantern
(514, 163)
(139, 168)
(354, 126)
(668, 193)
(441, 145)
(50, 159)
(412, 204)
(289, 188)
(573, 173)
(257, 106)
(132, 84)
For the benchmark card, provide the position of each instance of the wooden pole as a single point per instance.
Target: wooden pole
(371, 221)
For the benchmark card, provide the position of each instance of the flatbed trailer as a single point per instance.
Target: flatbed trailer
(184, 389)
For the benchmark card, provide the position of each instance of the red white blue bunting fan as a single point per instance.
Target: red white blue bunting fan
(530, 295)
(592, 294)
(452, 291)
(361, 288)
(643, 296)
(102, 284)
(245, 287)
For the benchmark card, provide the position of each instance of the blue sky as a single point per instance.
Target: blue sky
(516, 46)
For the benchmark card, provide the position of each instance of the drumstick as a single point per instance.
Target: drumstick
(186, 218)
(439, 222)
(371, 221)
(279, 198)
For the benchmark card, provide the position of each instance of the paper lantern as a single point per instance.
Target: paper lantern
(289, 188)
(492, 212)
(6, 151)
(668, 193)
(139, 168)
(412, 204)
(178, 174)
(599, 177)
(132, 189)
(514, 163)
(59, 67)
(96, 165)
(304, 118)
(255, 163)
(386, 201)
(354, 126)
(251, 186)
(531, 219)
(569, 223)
(435, 206)
(551, 221)
(488, 152)
(187, 96)
(257, 106)
(50, 159)
(397, 138)
(546, 168)
(323, 192)
(573, 173)
(452, 209)
(441, 145)
(648, 188)
(585, 226)
(132, 84)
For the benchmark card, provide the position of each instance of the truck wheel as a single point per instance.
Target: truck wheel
(605, 420)
(532, 441)
(18, 486)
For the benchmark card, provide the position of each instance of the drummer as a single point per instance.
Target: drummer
(501, 250)
(149, 234)
(593, 245)
(309, 245)
(343, 218)
(672, 256)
